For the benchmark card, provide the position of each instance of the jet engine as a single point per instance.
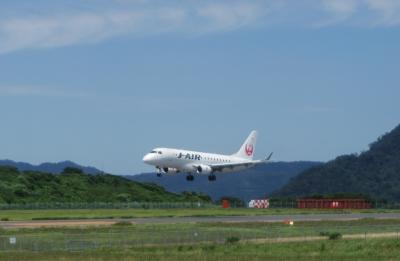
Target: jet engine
(203, 169)
(170, 170)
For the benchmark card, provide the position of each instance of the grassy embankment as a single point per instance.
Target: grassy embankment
(374, 249)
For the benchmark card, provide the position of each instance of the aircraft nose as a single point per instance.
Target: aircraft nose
(147, 158)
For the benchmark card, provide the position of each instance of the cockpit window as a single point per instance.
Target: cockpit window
(159, 152)
(153, 151)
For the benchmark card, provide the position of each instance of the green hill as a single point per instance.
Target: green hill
(74, 186)
(374, 173)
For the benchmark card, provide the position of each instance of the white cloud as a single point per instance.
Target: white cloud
(339, 11)
(228, 17)
(389, 11)
(53, 31)
(363, 12)
(341, 6)
(44, 27)
(33, 31)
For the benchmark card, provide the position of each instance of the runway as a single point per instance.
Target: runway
(174, 220)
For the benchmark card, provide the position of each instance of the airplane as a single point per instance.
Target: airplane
(171, 161)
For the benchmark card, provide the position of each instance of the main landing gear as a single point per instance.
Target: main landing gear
(211, 177)
(159, 173)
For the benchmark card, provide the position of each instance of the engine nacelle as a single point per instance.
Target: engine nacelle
(203, 169)
(170, 170)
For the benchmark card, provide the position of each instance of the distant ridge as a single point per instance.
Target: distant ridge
(374, 173)
(48, 167)
(255, 182)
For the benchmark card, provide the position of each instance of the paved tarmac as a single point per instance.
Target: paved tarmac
(172, 220)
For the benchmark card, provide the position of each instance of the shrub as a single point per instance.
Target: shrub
(331, 235)
(232, 240)
(335, 235)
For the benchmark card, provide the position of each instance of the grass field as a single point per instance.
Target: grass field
(208, 241)
(125, 235)
(143, 213)
(354, 250)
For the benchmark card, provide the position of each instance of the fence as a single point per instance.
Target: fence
(161, 205)
(292, 203)
(105, 205)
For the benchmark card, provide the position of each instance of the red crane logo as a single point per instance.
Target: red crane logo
(249, 149)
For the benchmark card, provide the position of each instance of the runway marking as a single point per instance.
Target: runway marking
(36, 224)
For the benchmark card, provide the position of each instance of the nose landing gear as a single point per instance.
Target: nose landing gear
(190, 177)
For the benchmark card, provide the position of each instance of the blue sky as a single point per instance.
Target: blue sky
(103, 82)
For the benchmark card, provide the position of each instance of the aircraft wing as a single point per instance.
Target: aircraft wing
(231, 166)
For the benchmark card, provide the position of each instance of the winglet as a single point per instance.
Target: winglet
(269, 157)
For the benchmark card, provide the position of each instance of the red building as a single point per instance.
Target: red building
(225, 203)
(333, 203)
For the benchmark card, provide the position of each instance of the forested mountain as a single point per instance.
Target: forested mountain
(256, 182)
(73, 185)
(48, 167)
(375, 173)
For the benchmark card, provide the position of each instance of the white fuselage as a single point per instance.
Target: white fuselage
(178, 160)
(168, 160)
